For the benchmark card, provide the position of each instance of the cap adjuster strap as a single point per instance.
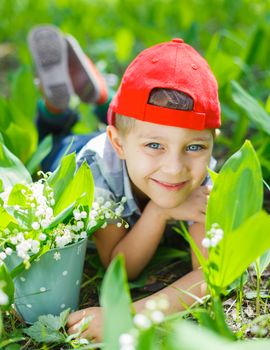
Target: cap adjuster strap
(174, 117)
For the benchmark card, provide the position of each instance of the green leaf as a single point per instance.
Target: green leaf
(116, 302)
(8, 344)
(43, 333)
(186, 335)
(124, 41)
(59, 180)
(264, 262)
(250, 105)
(16, 197)
(5, 218)
(8, 285)
(148, 340)
(63, 317)
(47, 328)
(41, 152)
(24, 92)
(62, 216)
(253, 238)
(21, 140)
(11, 168)
(212, 174)
(5, 114)
(82, 183)
(231, 201)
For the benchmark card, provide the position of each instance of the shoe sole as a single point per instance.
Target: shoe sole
(49, 51)
(87, 81)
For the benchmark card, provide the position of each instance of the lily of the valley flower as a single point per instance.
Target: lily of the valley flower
(213, 236)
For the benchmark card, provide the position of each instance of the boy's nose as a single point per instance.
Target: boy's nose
(173, 165)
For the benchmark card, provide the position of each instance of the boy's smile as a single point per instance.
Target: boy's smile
(171, 186)
(165, 163)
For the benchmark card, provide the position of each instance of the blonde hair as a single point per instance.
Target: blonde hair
(124, 124)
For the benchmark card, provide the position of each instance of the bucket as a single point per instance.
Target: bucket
(49, 286)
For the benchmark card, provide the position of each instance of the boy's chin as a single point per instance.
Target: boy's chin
(168, 203)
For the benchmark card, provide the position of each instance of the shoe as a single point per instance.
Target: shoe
(87, 82)
(49, 51)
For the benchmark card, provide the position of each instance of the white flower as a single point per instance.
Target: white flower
(92, 223)
(214, 241)
(83, 234)
(107, 204)
(45, 223)
(142, 321)
(126, 339)
(35, 247)
(219, 232)
(157, 316)
(108, 215)
(93, 214)
(118, 211)
(95, 205)
(42, 237)
(163, 303)
(3, 256)
(35, 225)
(52, 202)
(213, 236)
(49, 212)
(206, 243)
(60, 242)
(76, 214)
(119, 224)
(100, 200)
(3, 298)
(20, 236)
(151, 304)
(8, 251)
(83, 214)
(124, 199)
(126, 225)
(83, 341)
(80, 225)
(13, 240)
(57, 256)
(104, 225)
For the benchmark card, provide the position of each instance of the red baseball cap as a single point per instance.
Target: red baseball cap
(170, 65)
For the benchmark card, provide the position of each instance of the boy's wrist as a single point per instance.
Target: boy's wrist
(161, 213)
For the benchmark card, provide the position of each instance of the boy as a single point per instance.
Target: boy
(155, 152)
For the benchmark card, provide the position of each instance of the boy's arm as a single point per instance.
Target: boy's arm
(192, 282)
(138, 246)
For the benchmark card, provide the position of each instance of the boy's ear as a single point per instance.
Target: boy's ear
(116, 140)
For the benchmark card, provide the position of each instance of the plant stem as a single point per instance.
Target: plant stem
(239, 299)
(258, 297)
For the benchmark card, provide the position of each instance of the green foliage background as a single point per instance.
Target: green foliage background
(233, 35)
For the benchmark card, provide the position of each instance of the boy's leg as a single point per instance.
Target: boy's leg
(63, 68)
(77, 73)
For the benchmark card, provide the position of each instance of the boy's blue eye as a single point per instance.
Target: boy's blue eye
(194, 148)
(154, 145)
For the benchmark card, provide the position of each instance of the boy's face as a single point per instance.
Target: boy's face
(165, 163)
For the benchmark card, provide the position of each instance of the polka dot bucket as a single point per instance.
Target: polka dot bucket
(52, 284)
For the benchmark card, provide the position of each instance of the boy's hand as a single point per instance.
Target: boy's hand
(94, 330)
(193, 208)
